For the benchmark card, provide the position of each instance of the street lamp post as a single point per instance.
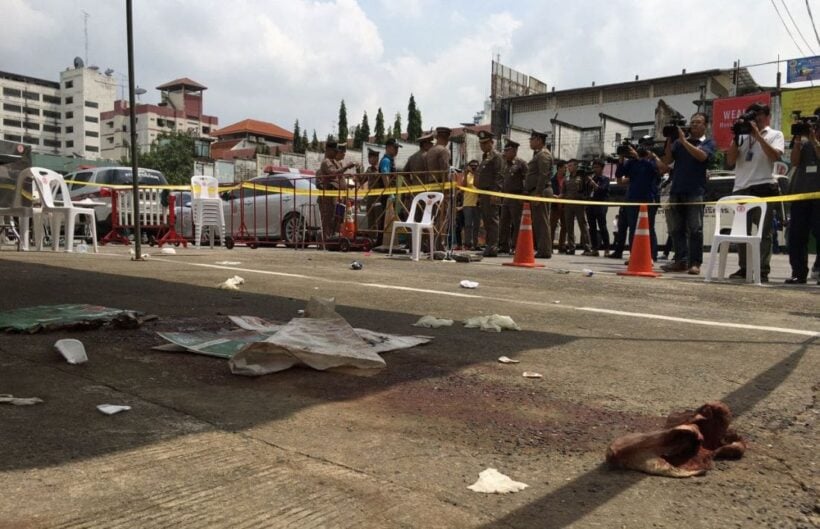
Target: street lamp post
(132, 111)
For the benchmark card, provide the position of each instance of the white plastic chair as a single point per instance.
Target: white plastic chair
(207, 208)
(49, 184)
(738, 234)
(24, 211)
(429, 201)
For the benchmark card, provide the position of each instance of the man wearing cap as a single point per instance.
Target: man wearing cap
(438, 166)
(536, 184)
(490, 178)
(576, 187)
(514, 172)
(416, 165)
(375, 203)
(596, 214)
(327, 178)
(557, 210)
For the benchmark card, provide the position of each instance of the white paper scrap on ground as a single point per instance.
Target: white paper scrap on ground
(232, 283)
(431, 322)
(322, 340)
(72, 350)
(491, 481)
(492, 323)
(228, 263)
(19, 401)
(466, 283)
(111, 409)
(531, 374)
(507, 360)
(168, 251)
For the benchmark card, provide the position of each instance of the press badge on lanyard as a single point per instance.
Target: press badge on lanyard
(749, 156)
(811, 169)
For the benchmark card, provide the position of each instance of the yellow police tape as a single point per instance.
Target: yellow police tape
(448, 186)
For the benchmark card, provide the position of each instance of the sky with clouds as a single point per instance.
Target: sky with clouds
(282, 60)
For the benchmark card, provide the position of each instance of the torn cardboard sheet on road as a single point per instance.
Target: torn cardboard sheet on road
(19, 401)
(69, 316)
(321, 340)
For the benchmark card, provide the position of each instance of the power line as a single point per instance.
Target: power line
(787, 28)
(796, 26)
(813, 25)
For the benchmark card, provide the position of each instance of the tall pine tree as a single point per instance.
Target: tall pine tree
(379, 131)
(413, 120)
(365, 130)
(343, 132)
(304, 142)
(314, 143)
(397, 127)
(297, 137)
(357, 137)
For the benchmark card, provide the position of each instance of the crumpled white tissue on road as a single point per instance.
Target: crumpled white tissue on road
(491, 481)
(232, 283)
(508, 360)
(431, 322)
(72, 350)
(111, 409)
(19, 401)
(492, 323)
(466, 283)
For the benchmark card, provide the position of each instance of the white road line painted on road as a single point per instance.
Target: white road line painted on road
(729, 325)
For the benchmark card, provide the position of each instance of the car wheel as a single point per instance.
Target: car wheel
(292, 229)
(229, 243)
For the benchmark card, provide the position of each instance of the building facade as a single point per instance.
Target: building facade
(85, 94)
(31, 112)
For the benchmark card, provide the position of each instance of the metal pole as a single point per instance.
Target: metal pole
(133, 115)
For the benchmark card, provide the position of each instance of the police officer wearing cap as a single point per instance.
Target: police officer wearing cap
(327, 178)
(416, 165)
(375, 203)
(438, 166)
(490, 178)
(514, 172)
(536, 184)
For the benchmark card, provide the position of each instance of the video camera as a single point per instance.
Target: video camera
(643, 146)
(670, 130)
(804, 124)
(743, 125)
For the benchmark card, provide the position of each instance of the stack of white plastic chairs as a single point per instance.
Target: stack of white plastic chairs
(207, 208)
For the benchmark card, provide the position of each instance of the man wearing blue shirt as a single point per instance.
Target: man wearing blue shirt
(690, 155)
(596, 215)
(642, 171)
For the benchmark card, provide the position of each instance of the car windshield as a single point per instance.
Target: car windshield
(123, 177)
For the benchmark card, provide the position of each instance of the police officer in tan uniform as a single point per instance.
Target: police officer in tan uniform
(490, 178)
(577, 186)
(376, 204)
(438, 166)
(327, 178)
(536, 184)
(416, 165)
(514, 172)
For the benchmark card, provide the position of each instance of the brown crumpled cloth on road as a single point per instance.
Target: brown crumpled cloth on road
(687, 447)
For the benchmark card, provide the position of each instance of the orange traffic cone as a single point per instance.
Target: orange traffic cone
(349, 226)
(640, 251)
(524, 246)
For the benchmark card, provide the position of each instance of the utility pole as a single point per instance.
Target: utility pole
(86, 16)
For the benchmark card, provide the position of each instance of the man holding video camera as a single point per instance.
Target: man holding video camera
(690, 154)
(805, 214)
(753, 151)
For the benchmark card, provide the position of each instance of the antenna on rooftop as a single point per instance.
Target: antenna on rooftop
(86, 16)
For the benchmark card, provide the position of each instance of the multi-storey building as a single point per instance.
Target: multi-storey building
(85, 92)
(31, 112)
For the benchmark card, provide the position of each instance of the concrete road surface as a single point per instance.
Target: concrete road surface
(204, 448)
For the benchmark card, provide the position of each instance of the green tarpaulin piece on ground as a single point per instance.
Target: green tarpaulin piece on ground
(51, 317)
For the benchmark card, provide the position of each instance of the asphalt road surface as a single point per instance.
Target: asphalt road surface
(204, 448)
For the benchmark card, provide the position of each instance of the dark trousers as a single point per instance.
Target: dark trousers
(632, 214)
(598, 232)
(376, 208)
(541, 228)
(510, 222)
(489, 216)
(557, 223)
(805, 220)
(619, 240)
(753, 218)
(687, 228)
(575, 213)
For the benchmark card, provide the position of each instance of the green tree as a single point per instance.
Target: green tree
(304, 142)
(314, 143)
(357, 137)
(413, 120)
(297, 138)
(364, 131)
(379, 130)
(397, 127)
(343, 132)
(171, 153)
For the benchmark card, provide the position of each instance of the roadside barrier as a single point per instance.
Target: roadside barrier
(525, 245)
(640, 253)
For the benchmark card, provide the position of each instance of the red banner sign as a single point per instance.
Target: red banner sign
(726, 111)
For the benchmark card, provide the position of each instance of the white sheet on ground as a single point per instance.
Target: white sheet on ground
(491, 481)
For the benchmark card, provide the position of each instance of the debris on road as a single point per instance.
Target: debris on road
(561, 271)
(431, 322)
(144, 257)
(492, 323)
(168, 251)
(232, 283)
(687, 447)
(228, 263)
(72, 350)
(587, 272)
(112, 409)
(531, 374)
(356, 265)
(19, 401)
(466, 283)
(507, 360)
(68, 316)
(491, 481)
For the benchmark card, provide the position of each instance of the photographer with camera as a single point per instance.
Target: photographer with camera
(753, 151)
(642, 169)
(690, 155)
(805, 214)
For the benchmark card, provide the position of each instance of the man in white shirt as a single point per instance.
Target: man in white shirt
(753, 156)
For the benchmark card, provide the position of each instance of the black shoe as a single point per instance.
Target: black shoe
(541, 255)
(795, 281)
(615, 256)
(764, 278)
(490, 251)
(740, 274)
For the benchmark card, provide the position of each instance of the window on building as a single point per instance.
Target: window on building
(51, 114)
(12, 123)
(69, 100)
(69, 84)
(69, 144)
(31, 125)
(51, 128)
(206, 130)
(12, 108)
(54, 100)
(124, 128)
(110, 124)
(52, 143)
(92, 134)
(31, 139)
(69, 115)
(69, 130)
(92, 148)
(12, 137)
(92, 119)
(92, 104)
(32, 111)
(31, 95)
(160, 123)
(110, 139)
(11, 92)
